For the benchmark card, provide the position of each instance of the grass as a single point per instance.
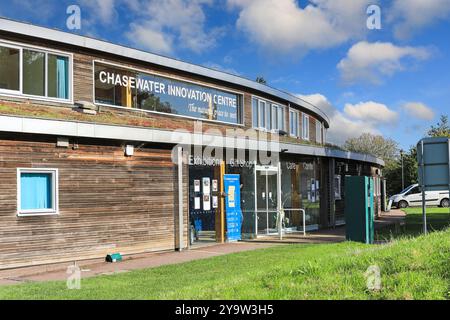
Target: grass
(437, 219)
(414, 268)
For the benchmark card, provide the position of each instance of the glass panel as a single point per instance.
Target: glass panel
(128, 88)
(262, 114)
(33, 73)
(9, 69)
(255, 112)
(281, 118)
(58, 77)
(274, 118)
(36, 191)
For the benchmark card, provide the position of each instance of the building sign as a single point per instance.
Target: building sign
(132, 89)
(233, 210)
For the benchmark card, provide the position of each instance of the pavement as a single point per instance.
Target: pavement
(91, 268)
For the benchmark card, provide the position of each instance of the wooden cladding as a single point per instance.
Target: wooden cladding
(107, 202)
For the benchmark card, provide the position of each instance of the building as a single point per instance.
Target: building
(106, 149)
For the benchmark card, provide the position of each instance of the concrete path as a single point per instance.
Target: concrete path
(93, 268)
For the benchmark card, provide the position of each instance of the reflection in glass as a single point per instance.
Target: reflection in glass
(9, 69)
(33, 73)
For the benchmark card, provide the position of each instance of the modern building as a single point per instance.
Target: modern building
(105, 148)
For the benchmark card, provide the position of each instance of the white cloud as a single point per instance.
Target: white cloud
(341, 127)
(103, 10)
(419, 110)
(371, 112)
(146, 37)
(172, 22)
(409, 16)
(373, 62)
(283, 26)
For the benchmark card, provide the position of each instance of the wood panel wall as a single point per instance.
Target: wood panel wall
(108, 202)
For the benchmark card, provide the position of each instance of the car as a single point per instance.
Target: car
(412, 197)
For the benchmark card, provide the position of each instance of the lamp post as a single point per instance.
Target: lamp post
(403, 175)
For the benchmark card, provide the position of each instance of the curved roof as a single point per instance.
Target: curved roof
(30, 30)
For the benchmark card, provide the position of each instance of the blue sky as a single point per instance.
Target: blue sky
(393, 81)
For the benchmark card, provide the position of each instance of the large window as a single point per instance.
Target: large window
(37, 191)
(268, 116)
(319, 138)
(34, 72)
(294, 123)
(130, 88)
(305, 127)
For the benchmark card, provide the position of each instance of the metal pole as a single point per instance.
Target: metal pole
(424, 208)
(403, 172)
(180, 200)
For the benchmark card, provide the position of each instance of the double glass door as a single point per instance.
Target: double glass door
(266, 199)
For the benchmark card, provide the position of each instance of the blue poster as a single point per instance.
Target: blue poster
(233, 210)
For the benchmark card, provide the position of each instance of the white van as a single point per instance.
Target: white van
(412, 197)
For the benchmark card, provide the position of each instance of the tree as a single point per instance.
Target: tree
(261, 80)
(442, 129)
(376, 145)
(393, 171)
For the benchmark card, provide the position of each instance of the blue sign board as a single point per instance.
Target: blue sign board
(233, 210)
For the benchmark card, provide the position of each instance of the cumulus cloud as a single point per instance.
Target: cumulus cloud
(341, 127)
(103, 10)
(171, 21)
(419, 110)
(373, 62)
(408, 16)
(371, 112)
(284, 26)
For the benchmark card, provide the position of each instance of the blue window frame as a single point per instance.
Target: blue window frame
(37, 191)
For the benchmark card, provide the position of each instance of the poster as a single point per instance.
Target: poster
(206, 186)
(196, 185)
(231, 201)
(215, 202)
(197, 203)
(206, 202)
(215, 186)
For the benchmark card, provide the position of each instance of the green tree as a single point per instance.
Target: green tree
(376, 145)
(442, 128)
(393, 171)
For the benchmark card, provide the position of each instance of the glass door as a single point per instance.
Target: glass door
(266, 199)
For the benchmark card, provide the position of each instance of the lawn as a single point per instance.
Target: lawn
(414, 268)
(437, 219)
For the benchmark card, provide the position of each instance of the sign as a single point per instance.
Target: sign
(118, 86)
(233, 210)
(434, 172)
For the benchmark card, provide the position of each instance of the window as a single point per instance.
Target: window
(294, 123)
(337, 187)
(277, 118)
(268, 116)
(305, 127)
(9, 69)
(319, 132)
(255, 121)
(36, 73)
(37, 191)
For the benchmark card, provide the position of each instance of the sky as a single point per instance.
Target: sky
(391, 79)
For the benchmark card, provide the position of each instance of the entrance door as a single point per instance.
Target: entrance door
(266, 199)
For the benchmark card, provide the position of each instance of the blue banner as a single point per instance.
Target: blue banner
(233, 210)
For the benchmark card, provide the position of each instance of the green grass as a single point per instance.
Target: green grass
(437, 219)
(415, 268)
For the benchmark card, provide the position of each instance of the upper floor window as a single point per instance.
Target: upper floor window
(268, 116)
(294, 123)
(34, 72)
(305, 127)
(319, 138)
